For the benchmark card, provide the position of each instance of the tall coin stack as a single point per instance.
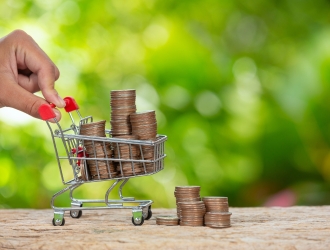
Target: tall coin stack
(217, 211)
(122, 105)
(144, 126)
(186, 194)
(99, 169)
(128, 151)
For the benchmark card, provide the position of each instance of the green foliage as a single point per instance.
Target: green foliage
(239, 87)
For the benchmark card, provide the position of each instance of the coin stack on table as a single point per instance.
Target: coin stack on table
(167, 220)
(144, 126)
(98, 169)
(128, 151)
(217, 211)
(186, 194)
(192, 213)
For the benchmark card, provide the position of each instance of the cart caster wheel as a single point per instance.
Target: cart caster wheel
(148, 215)
(58, 222)
(76, 214)
(138, 221)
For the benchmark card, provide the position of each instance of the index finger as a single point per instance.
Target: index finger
(30, 55)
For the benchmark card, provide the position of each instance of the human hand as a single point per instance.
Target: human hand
(25, 69)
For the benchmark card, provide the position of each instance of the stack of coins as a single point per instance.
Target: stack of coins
(217, 214)
(186, 194)
(122, 105)
(99, 169)
(192, 213)
(144, 126)
(216, 203)
(167, 220)
(93, 129)
(212, 211)
(217, 219)
(129, 152)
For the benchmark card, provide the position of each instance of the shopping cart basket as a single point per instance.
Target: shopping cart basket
(73, 163)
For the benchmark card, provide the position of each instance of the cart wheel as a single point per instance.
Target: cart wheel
(138, 222)
(148, 215)
(76, 214)
(58, 222)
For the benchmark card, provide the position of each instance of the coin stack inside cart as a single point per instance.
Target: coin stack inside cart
(128, 151)
(98, 169)
(122, 105)
(144, 126)
(186, 194)
(217, 212)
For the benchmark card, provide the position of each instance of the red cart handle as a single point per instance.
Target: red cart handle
(71, 104)
(46, 111)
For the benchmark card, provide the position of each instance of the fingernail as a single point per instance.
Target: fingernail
(58, 114)
(61, 102)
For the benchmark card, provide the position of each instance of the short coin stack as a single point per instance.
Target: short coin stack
(192, 213)
(217, 214)
(186, 194)
(99, 169)
(144, 126)
(122, 105)
(167, 220)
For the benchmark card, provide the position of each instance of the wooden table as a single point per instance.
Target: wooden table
(252, 228)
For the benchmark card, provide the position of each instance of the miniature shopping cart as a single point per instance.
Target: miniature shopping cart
(73, 163)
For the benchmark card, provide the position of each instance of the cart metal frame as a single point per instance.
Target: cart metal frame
(71, 142)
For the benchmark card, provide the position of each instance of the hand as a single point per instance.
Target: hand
(25, 69)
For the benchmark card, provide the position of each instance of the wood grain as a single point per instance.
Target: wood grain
(252, 228)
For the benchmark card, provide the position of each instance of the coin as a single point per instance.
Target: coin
(121, 93)
(167, 220)
(186, 188)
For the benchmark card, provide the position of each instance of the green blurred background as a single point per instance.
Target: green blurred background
(240, 88)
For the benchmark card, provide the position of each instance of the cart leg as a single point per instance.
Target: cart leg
(109, 191)
(58, 219)
(120, 192)
(137, 218)
(76, 214)
(73, 188)
(61, 192)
